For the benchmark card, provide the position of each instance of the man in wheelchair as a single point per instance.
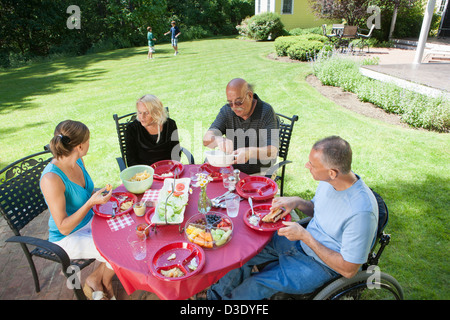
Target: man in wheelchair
(336, 241)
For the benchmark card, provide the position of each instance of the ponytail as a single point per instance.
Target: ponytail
(68, 134)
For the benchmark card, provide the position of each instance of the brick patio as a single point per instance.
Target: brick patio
(16, 280)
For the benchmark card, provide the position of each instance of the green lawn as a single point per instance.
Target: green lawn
(409, 168)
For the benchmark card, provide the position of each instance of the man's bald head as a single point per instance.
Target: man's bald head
(240, 97)
(239, 84)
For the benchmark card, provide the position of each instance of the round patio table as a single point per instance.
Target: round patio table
(136, 275)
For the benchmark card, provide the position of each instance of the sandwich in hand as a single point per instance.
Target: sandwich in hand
(273, 216)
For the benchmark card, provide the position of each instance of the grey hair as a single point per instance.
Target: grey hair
(336, 153)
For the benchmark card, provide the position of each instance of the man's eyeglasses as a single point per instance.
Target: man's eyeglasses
(238, 103)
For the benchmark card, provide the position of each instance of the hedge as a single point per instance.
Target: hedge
(299, 47)
(415, 109)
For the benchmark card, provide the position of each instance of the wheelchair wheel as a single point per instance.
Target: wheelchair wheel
(362, 286)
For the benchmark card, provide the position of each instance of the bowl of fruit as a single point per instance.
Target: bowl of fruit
(210, 231)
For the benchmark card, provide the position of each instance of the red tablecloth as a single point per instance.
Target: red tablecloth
(136, 275)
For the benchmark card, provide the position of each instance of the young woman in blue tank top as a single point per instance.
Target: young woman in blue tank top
(68, 191)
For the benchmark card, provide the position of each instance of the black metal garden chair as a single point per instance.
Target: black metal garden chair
(334, 32)
(286, 129)
(121, 127)
(21, 201)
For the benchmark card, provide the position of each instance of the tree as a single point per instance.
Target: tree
(216, 16)
(352, 11)
(397, 4)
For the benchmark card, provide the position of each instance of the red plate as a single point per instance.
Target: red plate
(262, 210)
(214, 172)
(167, 166)
(148, 215)
(257, 187)
(104, 210)
(185, 254)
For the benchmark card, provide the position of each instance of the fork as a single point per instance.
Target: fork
(114, 207)
(216, 201)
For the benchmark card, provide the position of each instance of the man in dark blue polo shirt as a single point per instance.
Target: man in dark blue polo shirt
(247, 127)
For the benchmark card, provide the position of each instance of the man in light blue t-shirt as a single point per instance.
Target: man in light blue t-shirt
(336, 241)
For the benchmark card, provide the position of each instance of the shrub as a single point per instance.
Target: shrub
(414, 109)
(243, 28)
(339, 73)
(195, 32)
(302, 46)
(283, 43)
(301, 31)
(265, 24)
(304, 49)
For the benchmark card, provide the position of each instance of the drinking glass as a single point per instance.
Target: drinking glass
(143, 230)
(226, 172)
(193, 174)
(232, 202)
(138, 246)
(139, 208)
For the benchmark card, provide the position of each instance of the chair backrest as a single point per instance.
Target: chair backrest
(121, 127)
(286, 128)
(324, 29)
(382, 238)
(337, 29)
(383, 213)
(21, 199)
(350, 31)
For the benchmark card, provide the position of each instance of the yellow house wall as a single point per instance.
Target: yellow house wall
(302, 16)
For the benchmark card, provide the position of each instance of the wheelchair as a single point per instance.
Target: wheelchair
(369, 283)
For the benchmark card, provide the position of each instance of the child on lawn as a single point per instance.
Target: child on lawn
(151, 43)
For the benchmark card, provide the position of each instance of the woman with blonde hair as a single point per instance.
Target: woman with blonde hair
(153, 136)
(69, 193)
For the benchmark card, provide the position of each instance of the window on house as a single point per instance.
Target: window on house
(287, 7)
(258, 6)
(442, 6)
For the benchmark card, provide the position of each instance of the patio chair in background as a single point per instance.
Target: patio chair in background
(21, 201)
(337, 29)
(121, 127)
(329, 36)
(349, 33)
(335, 34)
(286, 128)
(365, 37)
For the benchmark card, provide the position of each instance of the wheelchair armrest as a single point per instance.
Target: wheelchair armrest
(46, 245)
(188, 155)
(304, 222)
(275, 167)
(121, 164)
